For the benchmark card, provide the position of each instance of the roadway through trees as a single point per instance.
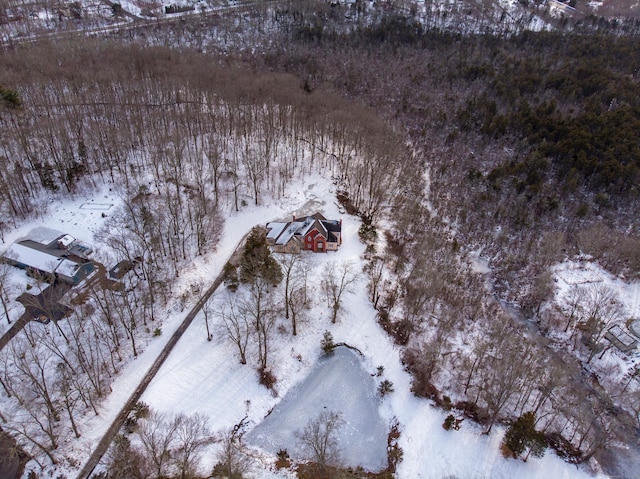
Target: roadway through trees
(113, 430)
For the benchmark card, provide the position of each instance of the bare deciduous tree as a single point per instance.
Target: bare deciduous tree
(192, 435)
(6, 290)
(235, 326)
(157, 435)
(233, 460)
(319, 439)
(337, 279)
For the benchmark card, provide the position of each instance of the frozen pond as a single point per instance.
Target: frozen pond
(337, 383)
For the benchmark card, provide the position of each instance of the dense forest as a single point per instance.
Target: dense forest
(521, 145)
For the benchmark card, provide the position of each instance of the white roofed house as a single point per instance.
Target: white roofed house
(313, 233)
(46, 253)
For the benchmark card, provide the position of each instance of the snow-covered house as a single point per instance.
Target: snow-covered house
(47, 253)
(313, 233)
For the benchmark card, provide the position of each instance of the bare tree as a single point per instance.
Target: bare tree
(318, 439)
(506, 376)
(157, 436)
(600, 310)
(289, 264)
(192, 435)
(260, 308)
(572, 304)
(294, 270)
(375, 274)
(299, 301)
(6, 289)
(235, 326)
(337, 279)
(206, 313)
(233, 460)
(125, 461)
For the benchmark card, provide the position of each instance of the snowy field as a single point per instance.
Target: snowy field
(206, 377)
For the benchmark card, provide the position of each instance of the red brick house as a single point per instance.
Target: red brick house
(312, 233)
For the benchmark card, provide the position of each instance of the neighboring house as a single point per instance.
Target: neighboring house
(50, 254)
(312, 233)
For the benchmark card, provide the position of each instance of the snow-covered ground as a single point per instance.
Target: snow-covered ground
(206, 376)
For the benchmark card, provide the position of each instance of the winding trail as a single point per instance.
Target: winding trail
(111, 433)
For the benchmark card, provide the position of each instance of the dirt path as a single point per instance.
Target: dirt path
(113, 430)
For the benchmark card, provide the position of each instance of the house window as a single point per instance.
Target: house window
(319, 244)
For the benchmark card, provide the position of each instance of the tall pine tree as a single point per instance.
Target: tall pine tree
(522, 436)
(257, 261)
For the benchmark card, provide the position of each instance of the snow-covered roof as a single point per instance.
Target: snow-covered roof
(307, 225)
(66, 241)
(634, 327)
(275, 229)
(288, 233)
(33, 258)
(43, 235)
(67, 268)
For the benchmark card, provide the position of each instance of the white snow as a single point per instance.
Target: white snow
(206, 377)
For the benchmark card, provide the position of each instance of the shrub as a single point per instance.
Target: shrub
(10, 98)
(267, 378)
(449, 422)
(473, 411)
(283, 460)
(564, 448)
(157, 332)
(141, 410)
(394, 452)
(367, 233)
(385, 388)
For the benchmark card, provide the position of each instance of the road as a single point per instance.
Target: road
(115, 427)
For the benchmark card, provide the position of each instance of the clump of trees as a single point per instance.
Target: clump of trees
(161, 446)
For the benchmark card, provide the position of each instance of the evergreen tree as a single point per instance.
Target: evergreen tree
(327, 343)
(257, 261)
(522, 436)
